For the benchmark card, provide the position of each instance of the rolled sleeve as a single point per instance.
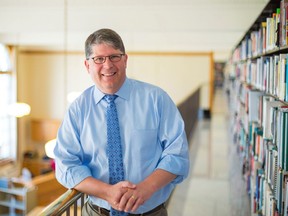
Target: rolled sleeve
(175, 156)
(73, 176)
(70, 170)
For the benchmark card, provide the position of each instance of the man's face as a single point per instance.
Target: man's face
(109, 76)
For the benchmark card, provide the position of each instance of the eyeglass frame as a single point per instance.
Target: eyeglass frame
(105, 57)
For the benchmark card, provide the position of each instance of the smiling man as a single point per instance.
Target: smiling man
(134, 171)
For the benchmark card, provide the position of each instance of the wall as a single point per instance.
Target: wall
(44, 83)
(180, 74)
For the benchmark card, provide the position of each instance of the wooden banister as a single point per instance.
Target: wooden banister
(64, 203)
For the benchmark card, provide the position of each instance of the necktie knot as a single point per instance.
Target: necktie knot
(110, 98)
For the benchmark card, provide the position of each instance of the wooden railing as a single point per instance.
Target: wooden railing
(69, 203)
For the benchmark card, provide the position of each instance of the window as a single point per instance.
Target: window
(8, 124)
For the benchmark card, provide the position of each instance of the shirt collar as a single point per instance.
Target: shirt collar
(123, 92)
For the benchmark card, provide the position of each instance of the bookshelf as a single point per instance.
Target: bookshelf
(257, 83)
(17, 200)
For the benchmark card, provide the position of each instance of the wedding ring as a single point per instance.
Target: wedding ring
(132, 197)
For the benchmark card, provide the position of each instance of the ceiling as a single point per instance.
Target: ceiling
(150, 25)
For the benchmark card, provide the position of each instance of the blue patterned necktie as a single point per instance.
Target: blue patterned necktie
(114, 148)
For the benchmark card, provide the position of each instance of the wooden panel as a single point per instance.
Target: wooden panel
(37, 166)
(43, 130)
(189, 111)
(48, 188)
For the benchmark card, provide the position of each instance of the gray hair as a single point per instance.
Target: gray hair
(103, 36)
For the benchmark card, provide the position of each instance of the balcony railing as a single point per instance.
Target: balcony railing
(69, 203)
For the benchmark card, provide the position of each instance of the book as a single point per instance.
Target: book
(254, 98)
(282, 29)
(277, 28)
(285, 197)
(286, 80)
(279, 191)
(286, 16)
(263, 33)
(281, 77)
(284, 137)
(268, 103)
(275, 74)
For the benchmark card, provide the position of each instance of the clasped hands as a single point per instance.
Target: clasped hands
(126, 196)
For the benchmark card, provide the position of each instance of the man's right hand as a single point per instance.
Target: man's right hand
(115, 193)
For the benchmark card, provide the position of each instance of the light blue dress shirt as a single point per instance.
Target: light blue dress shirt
(152, 135)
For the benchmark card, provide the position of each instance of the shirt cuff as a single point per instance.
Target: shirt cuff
(179, 167)
(76, 175)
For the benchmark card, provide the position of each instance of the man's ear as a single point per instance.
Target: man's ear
(126, 58)
(86, 63)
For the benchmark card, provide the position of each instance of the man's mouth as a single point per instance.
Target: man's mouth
(109, 74)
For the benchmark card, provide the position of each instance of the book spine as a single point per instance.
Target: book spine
(264, 40)
(286, 26)
(268, 37)
(286, 79)
(282, 24)
(277, 28)
(285, 211)
(281, 78)
(285, 139)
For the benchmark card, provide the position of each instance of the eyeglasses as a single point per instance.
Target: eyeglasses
(102, 59)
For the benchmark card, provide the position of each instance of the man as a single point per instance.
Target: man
(153, 146)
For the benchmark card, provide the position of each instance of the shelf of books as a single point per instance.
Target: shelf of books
(258, 95)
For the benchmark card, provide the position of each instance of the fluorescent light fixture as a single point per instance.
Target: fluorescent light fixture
(49, 148)
(19, 109)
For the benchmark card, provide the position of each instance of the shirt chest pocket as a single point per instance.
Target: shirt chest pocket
(144, 141)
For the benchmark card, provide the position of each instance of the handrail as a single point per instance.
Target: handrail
(64, 203)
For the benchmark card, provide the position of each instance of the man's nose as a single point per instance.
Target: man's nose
(107, 63)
